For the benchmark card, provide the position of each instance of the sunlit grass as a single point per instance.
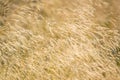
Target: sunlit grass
(60, 40)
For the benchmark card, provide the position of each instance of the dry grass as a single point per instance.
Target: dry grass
(60, 40)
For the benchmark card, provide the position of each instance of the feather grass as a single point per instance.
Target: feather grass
(60, 40)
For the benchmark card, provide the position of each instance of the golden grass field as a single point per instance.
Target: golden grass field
(59, 39)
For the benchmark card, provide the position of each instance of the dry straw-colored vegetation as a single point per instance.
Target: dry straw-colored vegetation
(59, 40)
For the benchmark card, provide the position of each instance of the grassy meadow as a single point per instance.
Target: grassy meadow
(59, 39)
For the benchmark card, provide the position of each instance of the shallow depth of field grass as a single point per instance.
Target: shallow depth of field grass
(59, 40)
